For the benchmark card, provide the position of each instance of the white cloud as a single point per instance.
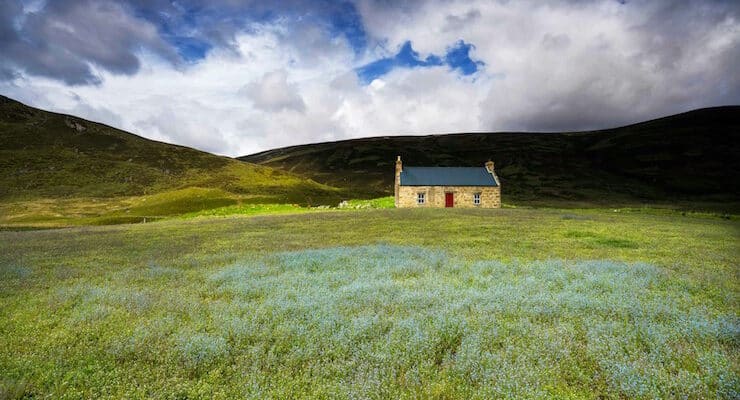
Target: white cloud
(274, 93)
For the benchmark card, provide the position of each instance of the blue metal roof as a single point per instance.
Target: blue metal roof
(446, 176)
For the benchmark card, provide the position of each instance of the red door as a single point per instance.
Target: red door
(449, 199)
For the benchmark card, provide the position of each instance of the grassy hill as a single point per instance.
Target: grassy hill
(43, 154)
(688, 158)
(50, 160)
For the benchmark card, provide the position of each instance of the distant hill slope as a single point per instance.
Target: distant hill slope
(694, 156)
(49, 155)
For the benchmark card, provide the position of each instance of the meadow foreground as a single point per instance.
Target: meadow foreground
(511, 303)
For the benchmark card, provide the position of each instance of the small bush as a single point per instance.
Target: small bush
(11, 389)
(199, 350)
(91, 303)
(14, 271)
(157, 271)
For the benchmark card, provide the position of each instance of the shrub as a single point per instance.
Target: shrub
(199, 350)
(14, 271)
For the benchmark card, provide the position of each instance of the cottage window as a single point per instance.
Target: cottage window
(476, 199)
(421, 198)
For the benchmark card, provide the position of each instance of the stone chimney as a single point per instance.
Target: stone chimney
(397, 183)
(489, 166)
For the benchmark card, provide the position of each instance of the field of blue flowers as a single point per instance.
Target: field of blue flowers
(185, 310)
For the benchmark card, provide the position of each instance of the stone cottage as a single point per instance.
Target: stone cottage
(467, 187)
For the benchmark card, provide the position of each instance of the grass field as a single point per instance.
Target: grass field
(509, 303)
(183, 203)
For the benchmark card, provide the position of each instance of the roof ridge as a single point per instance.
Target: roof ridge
(424, 166)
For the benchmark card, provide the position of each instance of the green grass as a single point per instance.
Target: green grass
(249, 209)
(381, 202)
(509, 303)
(182, 203)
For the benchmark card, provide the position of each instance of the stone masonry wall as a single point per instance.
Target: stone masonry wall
(463, 196)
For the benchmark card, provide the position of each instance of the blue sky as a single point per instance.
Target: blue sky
(235, 77)
(456, 57)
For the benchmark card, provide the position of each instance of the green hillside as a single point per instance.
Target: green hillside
(690, 158)
(58, 169)
(48, 155)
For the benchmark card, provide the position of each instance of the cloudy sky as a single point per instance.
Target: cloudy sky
(235, 77)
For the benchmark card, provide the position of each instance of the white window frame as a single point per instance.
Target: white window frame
(421, 198)
(476, 198)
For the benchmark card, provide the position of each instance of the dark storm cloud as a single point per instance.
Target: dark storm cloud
(682, 55)
(456, 22)
(65, 38)
(9, 10)
(213, 22)
(676, 35)
(676, 27)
